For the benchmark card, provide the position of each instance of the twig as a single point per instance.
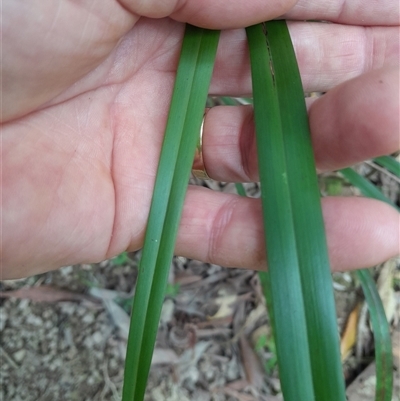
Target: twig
(382, 170)
(109, 384)
(8, 358)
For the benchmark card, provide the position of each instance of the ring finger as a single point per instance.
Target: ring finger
(356, 121)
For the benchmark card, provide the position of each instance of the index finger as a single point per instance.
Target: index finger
(354, 12)
(240, 13)
(211, 14)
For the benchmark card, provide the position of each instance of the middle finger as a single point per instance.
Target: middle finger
(355, 121)
(328, 54)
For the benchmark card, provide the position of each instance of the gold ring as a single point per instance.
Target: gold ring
(198, 167)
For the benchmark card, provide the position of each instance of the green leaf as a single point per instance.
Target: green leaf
(240, 189)
(228, 101)
(302, 294)
(390, 163)
(121, 259)
(365, 186)
(334, 186)
(383, 347)
(261, 342)
(383, 344)
(181, 135)
(172, 290)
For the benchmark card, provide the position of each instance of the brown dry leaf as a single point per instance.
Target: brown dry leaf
(349, 335)
(237, 395)
(167, 311)
(226, 304)
(214, 278)
(162, 356)
(396, 347)
(238, 385)
(385, 289)
(116, 312)
(254, 317)
(44, 293)
(364, 335)
(187, 365)
(251, 363)
(225, 321)
(218, 331)
(363, 388)
(187, 279)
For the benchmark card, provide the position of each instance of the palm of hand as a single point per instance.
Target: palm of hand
(74, 161)
(81, 166)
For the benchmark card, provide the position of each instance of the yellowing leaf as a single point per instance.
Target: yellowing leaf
(385, 289)
(349, 335)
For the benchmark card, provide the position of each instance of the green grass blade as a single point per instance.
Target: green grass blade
(365, 186)
(288, 305)
(228, 101)
(308, 220)
(187, 106)
(240, 189)
(390, 163)
(187, 149)
(383, 345)
(288, 162)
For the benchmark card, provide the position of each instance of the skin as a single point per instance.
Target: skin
(85, 91)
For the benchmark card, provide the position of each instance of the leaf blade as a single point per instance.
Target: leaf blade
(382, 340)
(181, 135)
(308, 220)
(290, 331)
(365, 186)
(390, 163)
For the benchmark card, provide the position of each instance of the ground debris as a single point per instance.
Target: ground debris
(71, 349)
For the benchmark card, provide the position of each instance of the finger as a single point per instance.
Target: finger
(219, 15)
(357, 12)
(59, 43)
(324, 63)
(227, 230)
(328, 54)
(209, 13)
(356, 121)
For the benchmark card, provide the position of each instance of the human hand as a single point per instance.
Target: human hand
(85, 102)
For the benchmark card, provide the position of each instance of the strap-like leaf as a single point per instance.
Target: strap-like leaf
(390, 163)
(364, 185)
(182, 132)
(383, 344)
(301, 286)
